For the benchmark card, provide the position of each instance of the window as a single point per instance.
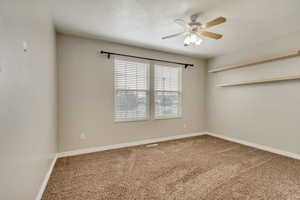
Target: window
(167, 92)
(131, 90)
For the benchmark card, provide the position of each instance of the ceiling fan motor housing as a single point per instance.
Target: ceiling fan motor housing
(194, 26)
(194, 22)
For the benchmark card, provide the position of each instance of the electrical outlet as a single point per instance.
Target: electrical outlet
(25, 46)
(82, 136)
(184, 125)
(1, 65)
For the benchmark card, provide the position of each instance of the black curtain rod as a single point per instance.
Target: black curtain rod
(166, 61)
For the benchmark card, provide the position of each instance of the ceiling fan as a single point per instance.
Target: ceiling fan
(194, 30)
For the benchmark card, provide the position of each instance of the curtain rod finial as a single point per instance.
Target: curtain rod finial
(188, 65)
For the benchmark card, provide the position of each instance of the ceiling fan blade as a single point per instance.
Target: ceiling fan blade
(215, 36)
(214, 22)
(173, 35)
(182, 23)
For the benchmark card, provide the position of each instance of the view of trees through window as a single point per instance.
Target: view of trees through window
(132, 104)
(166, 104)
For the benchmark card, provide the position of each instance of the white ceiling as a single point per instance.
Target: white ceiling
(143, 22)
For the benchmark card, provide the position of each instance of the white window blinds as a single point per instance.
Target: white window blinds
(167, 91)
(131, 90)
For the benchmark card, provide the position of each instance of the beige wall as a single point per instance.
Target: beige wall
(28, 107)
(86, 96)
(267, 114)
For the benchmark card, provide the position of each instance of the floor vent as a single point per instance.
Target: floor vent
(151, 145)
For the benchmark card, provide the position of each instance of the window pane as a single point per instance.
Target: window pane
(167, 91)
(131, 75)
(167, 104)
(167, 78)
(130, 78)
(131, 105)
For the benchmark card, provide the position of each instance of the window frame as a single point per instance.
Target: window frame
(147, 90)
(179, 92)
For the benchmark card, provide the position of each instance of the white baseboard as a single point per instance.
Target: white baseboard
(161, 139)
(258, 146)
(154, 140)
(129, 144)
(46, 179)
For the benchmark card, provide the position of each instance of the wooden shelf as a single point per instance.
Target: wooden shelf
(259, 61)
(286, 78)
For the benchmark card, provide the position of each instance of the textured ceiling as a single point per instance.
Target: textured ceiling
(143, 22)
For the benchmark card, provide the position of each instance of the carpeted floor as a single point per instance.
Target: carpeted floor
(198, 168)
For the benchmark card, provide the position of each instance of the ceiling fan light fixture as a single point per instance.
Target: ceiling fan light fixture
(194, 31)
(192, 39)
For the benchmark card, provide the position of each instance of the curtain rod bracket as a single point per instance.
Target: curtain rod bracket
(108, 54)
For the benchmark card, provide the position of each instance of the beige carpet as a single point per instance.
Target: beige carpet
(198, 168)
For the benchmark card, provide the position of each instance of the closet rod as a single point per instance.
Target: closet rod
(186, 65)
(285, 78)
(258, 61)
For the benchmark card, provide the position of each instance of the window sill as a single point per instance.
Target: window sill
(130, 120)
(159, 118)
